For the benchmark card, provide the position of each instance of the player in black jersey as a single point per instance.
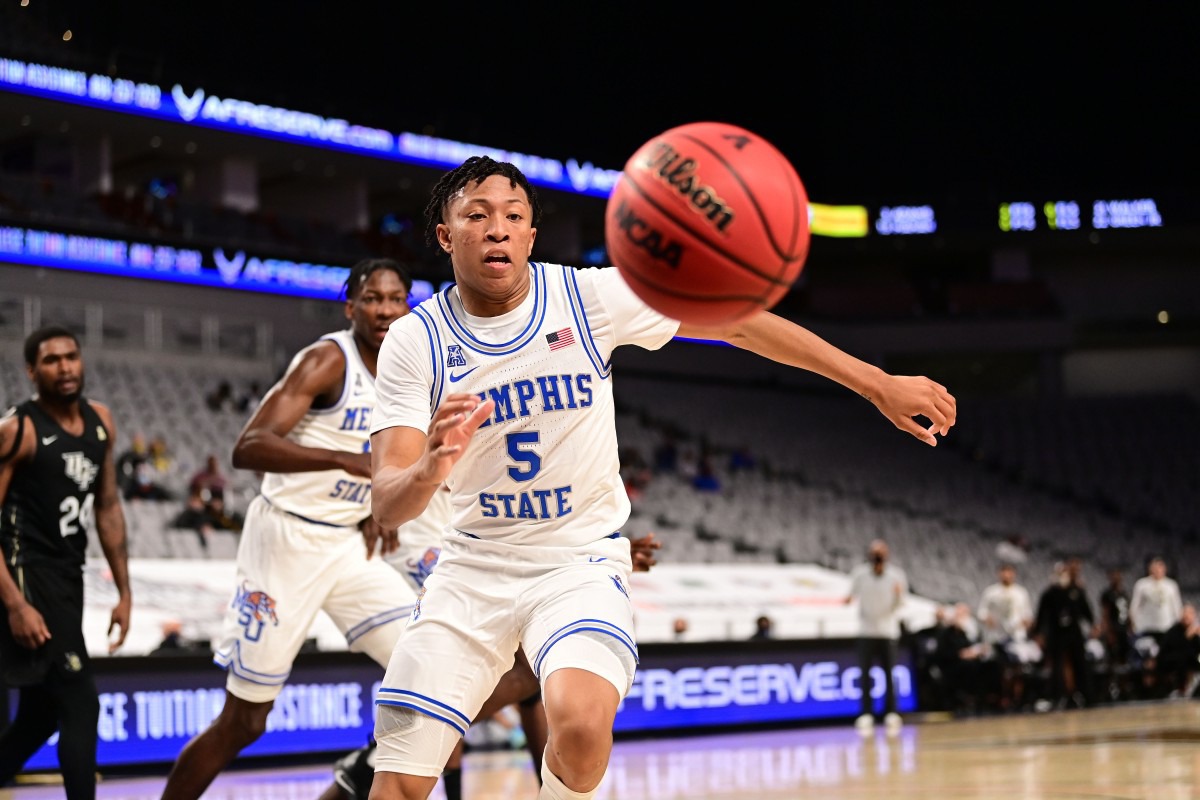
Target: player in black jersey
(57, 476)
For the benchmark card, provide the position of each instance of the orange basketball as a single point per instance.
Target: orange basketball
(708, 223)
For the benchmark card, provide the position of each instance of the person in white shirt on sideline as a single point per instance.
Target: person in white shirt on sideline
(1155, 604)
(1006, 614)
(880, 589)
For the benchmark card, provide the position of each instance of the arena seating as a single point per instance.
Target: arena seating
(833, 475)
(1109, 478)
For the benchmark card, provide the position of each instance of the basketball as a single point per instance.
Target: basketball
(708, 223)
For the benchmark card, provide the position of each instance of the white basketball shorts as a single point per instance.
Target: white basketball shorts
(483, 601)
(288, 570)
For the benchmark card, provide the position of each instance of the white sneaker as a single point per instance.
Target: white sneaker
(893, 722)
(865, 723)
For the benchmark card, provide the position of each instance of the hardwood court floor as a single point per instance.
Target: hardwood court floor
(1128, 752)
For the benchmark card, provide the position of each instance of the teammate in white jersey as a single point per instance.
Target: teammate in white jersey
(302, 546)
(500, 387)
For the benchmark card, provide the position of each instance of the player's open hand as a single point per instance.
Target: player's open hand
(454, 423)
(903, 398)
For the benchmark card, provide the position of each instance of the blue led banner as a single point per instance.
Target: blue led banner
(148, 715)
(204, 267)
(199, 108)
(151, 706)
(731, 686)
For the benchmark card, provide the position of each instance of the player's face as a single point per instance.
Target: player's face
(488, 232)
(381, 300)
(57, 374)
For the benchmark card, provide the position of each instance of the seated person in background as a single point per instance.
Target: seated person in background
(137, 475)
(740, 458)
(1179, 654)
(705, 479)
(127, 463)
(666, 454)
(209, 482)
(927, 656)
(966, 662)
(144, 486)
(195, 515)
(248, 400)
(160, 458)
(205, 508)
(220, 398)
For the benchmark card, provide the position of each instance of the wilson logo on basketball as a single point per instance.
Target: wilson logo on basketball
(640, 234)
(680, 174)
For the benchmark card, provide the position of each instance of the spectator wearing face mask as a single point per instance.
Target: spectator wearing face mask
(880, 589)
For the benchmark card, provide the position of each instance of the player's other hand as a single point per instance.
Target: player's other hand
(374, 534)
(28, 627)
(902, 398)
(119, 621)
(357, 464)
(641, 550)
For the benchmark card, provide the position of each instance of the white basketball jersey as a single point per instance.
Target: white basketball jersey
(333, 497)
(543, 470)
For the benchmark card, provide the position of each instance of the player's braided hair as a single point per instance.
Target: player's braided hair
(475, 169)
(366, 268)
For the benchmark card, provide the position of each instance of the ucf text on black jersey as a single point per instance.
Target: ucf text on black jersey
(50, 501)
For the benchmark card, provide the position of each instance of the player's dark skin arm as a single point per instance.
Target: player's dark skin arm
(28, 627)
(110, 529)
(314, 378)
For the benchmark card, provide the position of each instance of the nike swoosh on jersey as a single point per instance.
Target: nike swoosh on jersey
(49, 439)
(456, 378)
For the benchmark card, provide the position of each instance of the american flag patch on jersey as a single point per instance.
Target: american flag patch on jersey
(563, 338)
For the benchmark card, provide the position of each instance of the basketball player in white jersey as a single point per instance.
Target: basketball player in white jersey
(500, 387)
(302, 546)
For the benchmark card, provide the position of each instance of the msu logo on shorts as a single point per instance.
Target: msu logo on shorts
(254, 607)
(421, 568)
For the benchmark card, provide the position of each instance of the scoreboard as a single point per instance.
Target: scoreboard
(1071, 215)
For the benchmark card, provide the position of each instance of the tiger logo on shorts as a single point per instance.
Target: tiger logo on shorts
(254, 607)
(419, 569)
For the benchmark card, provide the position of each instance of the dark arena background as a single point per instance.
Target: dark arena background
(1003, 200)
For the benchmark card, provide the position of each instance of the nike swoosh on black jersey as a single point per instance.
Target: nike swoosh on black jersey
(456, 378)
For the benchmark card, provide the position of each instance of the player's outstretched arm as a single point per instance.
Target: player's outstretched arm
(110, 529)
(315, 374)
(408, 466)
(900, 398)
